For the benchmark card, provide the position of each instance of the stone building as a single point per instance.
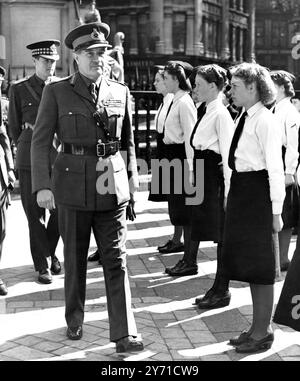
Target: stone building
(198, 31)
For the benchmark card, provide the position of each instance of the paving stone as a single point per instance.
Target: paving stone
(274, 357)
(28, 340)
(201, 337)
(162, 357)
(20, 304)
(48, 346)
(7, 345)
(24, 353)
(194, 325)
(288, 358)
(292, 351)
(230, 320)
(49, 303)
(181, 343)
(216, 357)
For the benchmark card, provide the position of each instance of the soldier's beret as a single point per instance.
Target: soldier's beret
(46, 49)
(88, 36)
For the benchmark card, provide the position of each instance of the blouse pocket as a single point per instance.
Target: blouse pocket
(73, 124)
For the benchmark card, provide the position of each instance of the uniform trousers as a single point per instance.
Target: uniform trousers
(110, 232)
(3, 208)
(43, 238)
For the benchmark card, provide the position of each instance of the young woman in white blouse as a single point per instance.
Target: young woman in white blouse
(179, 122)
(255, 199)
(173, 245)
(211, 139)
(289, 120)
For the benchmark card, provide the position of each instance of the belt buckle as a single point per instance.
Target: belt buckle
(77, 150)
(100, 146)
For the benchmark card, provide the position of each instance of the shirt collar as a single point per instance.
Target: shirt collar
(88, 81)
(39, 80)
(179, 94)
(211, 105)
(253, 110)
(281, 104)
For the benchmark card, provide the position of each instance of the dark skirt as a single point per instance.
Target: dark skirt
(157, 178)
(290, 210)
(247, 247)
(208, 217)
(179, 211)
(287, 311)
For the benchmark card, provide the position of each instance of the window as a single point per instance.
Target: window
(179, 33)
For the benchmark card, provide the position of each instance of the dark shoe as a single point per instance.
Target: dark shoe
(171, 247)
(251, 345)
(129, 344)
(238, 340)
(45, 276)
(214, 301)
(178, 265)
(183, 269)
(3, 288)
(55, 265)
(208, 294)
(94, 257)
(74, 333)
(285, 266)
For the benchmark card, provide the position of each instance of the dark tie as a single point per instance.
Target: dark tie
(159, 111)
(235, 140)
(94, 92)
(274, 109)
(166, 118)
(201, 110)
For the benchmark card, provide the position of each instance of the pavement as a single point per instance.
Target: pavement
(32, 324)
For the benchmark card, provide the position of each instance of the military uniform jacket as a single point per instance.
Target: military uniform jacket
(6, 159)
(79, 181)
(22, 111)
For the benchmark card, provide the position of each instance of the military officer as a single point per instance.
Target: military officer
(7, 179)
(24, 100)
(91, 185)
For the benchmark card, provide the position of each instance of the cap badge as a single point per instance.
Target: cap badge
(95, 35)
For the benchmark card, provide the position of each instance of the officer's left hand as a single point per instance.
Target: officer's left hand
(11, 177)
(45, 199)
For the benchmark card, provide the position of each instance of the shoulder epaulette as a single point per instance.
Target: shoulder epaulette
(58, 79)
(20, 80)
(114, 81)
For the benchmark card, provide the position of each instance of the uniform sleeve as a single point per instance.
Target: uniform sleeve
(225, 131)
(5, 144)
(269, 135)
(14, 114)
(42, 138)
(188, 118)
(127, 140)
(292, 123)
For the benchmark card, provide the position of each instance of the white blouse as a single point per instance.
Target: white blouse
(180, 122)
(215, 132)
(259, 148)
(289, 120)
(162, 112)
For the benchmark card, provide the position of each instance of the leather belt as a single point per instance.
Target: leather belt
(100, 149)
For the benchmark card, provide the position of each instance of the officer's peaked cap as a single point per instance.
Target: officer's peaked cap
(88, 36)
(46, 49)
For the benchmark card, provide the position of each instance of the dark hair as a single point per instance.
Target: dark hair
(213, 74)
(255, 73)
(180, 70)
(286, 79)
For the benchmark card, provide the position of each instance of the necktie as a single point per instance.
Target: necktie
(94, 92)
(274, 110)
(201, 111)
(166, 117)
(235, 140)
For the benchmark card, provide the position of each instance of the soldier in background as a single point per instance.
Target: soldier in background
(7, 179)
(24, 100)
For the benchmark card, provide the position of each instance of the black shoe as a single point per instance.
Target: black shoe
(182, 269)
(94, 257)
(252, 346)
(208, 294)
(238, 340)
(214, 301)
(74, 333)
(129, 344)
(3, 288)
(285, 266)
(45, 276)
(55, 265)
(171, 247)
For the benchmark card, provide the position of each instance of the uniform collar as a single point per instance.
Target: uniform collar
(283, 103)
(252, 110)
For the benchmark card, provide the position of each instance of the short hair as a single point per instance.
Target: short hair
(255, 73)
(213, 74)
(181, 71)
(286, 79)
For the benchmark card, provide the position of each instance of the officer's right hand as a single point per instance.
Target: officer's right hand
(45, 199)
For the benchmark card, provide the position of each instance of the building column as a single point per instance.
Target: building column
(233, 39)
(113, 24)
(225, 51)
(157, 26)
(133, 34)
(190, 33)
(198, 33)
(251, 32)
(168, 30)
(242, 5)
(241, 44)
